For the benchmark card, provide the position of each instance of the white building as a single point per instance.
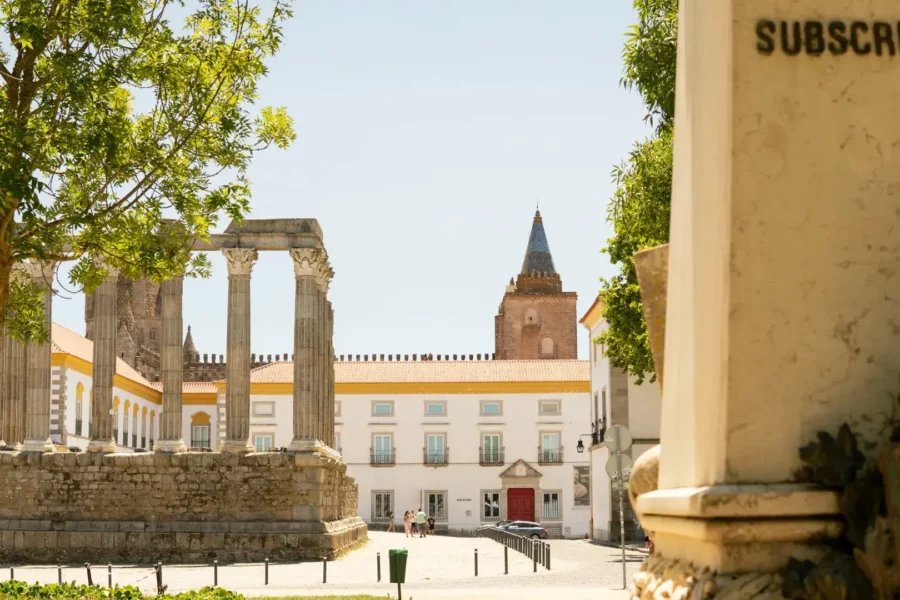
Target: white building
(471, 441)
(616, 399)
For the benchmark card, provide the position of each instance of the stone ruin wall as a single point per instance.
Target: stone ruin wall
(191, 507)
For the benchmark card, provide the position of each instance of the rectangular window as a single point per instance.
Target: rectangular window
(435, 449)
(491, 509)
(437, 505)
(200, 436)
(550, 450)
(263, 409)
(382, 450)
(337, 408)
(490, 449)
(337, 441)
(382, 505)
(605, 425)
(489, 408)
(383, 409)
(263, 443)
(550, 407)
(434, 409)
(551, 506)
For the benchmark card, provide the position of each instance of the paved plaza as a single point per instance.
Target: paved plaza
(439, 567)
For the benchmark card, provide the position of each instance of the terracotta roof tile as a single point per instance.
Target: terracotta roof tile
(192, 387)
(66, 341)
(438, 371)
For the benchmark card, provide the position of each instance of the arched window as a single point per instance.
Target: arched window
(144, 428)
(79, 407)
(546, 347)
(134, 426)
(152, 428)
(200, 430)
(125, 415)
(115, 416)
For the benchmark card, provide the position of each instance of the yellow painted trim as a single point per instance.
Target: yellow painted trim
(84, 367)
(593, 315)
(437, 387)
(200, 418)
(204, 398)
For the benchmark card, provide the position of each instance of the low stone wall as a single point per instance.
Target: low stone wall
(191, 507)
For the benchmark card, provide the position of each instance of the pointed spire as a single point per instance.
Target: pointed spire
(537, 255)
(189, 350)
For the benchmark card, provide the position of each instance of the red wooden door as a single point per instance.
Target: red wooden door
(520, 504)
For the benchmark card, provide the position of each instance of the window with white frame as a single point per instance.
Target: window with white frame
(490, 510)
(200, 436)
(383, 409)
(134, 430)
(263, 409)
(382, 504)
(125, 428)
(435, 409)
(550, 407)
(337, 408)
(382, 448)
(263, 442)
(551, 506)
(435, 446)
(490, 449)
(550, 447)
(491, 408)
(337, 441)
(436, 505)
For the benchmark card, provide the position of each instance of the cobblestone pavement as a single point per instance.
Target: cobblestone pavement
(438, 567)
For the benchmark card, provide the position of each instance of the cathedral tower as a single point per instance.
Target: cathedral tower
(537, 320)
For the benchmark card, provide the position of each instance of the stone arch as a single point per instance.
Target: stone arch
(547, 347)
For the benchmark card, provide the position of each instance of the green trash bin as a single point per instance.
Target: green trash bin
(397, 562)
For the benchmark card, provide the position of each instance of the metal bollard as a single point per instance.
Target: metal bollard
(476, 562)
(534, 556)
(215, 573)
(505, 560)
(12, 573)
(267, 570)
(378, 564)
(90, 578)
(109, 575)
(548, 557)
(160, 588)
(324, 569)
(59, 573)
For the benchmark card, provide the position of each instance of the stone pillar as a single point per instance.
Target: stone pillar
(329, 379)
(311, 347)
(104, 363)
(37, 407)
(171, 361)
(13, 378)
(237, 390)
(783, 298)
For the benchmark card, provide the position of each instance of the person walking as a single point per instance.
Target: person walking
(421, 518)
(431, 524)
(391, 528)
(413, 526)
(406, 522)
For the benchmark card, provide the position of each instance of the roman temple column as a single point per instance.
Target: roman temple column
(171, 361)
(17, 371)
(237, 373)
(310, 270)
(104, 363)
(37, 407)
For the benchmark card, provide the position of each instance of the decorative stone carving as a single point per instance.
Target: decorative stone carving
(313, 262)
(103, 263)
(662, 578)
(644, 475)
(240, 261)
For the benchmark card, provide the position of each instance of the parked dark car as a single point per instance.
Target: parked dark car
(524, 528)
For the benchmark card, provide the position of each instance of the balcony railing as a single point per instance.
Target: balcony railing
(199, 444)
(492, 457)
(382, 458)
(550, 456)
(436, 458)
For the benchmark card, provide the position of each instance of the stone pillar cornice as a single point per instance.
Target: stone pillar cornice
(240, 261)
(313, 262)
(39, 271)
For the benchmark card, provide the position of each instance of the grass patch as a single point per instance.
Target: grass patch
(325, 597)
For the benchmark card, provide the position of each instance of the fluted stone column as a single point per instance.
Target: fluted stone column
(171, 361)
(311, 341)
(37, 407)
(12, 385)
(5, 395)
(104, 364)
(237, 373)
(329, 379)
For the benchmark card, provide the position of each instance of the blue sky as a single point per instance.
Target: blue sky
(426, 130)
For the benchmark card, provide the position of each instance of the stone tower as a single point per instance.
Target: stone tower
(537, 319)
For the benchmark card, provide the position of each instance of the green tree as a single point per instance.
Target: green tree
(114, 121)
(639, 209)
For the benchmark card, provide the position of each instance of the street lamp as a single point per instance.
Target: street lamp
(580, 446)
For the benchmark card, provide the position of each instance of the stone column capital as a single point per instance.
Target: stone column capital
(240, 260)
(313, 262)
(40, 271)
(103, 263)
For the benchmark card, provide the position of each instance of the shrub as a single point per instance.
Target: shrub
(19, 590)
